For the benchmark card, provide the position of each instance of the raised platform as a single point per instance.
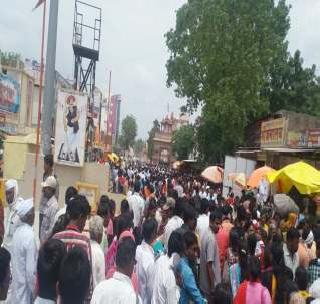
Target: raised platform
(85, 52)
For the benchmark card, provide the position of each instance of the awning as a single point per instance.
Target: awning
(291, 150)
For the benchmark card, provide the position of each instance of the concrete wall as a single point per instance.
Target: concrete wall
(67, 176)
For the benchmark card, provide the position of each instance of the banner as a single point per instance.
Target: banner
(314, 138)
(9, 94)
(70, 133)
(272, 132)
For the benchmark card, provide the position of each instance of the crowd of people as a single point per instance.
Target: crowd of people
(174, 239)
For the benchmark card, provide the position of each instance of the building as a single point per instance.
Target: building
(162, 141)
(283, 138)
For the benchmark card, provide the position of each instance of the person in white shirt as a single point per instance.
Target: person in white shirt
(203, 193)
(136, 204)
(98, 262)
(24, 256)
(179, 188)
(145, 258)
(165, 288)
(13, 199)
(290, 250)
(175, 221)
(203, 219)
(50, 209)
(119, 289)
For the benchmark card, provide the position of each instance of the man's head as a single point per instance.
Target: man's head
(125, 258)
(79, 211)
(50, 257)
(74, 277)
(204, 206)
(191, 245)
(215, 221)
(293, 237)
(226, 211)
(70, 193)
(104, 212)
(301, 278)
(25, 211)
(149, 230)
(49, 187)
(48, 164)
(176, 244)
(190, 217)
(96, 228)
(11, 191)
(124, 208)
(137, 187)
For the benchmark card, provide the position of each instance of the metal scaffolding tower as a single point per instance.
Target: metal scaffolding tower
(86, 45)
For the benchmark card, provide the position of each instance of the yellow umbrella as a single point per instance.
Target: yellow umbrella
(301, 175)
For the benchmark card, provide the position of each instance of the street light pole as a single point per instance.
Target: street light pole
(50, 77)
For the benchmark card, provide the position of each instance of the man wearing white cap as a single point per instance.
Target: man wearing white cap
(50, 209)
(24, 256)
(13, 199)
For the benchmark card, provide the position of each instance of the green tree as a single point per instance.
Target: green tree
(293, 87)
(155, 128)
(183, 142)
(221, 55)
(138, 146)
(128, 132)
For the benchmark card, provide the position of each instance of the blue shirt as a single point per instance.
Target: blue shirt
(189, 291)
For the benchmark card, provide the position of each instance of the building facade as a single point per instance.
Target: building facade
(283, 138)
(162, 141)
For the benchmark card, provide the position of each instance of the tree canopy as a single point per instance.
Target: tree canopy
(231, 57)
(183, 142)
(128, 132)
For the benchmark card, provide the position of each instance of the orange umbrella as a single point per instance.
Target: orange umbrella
(213, 174)
(258, 175)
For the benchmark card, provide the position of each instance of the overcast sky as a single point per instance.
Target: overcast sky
(133, 46)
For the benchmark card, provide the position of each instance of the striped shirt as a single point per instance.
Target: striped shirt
(72, 237)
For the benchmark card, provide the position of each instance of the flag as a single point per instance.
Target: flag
(39, 3)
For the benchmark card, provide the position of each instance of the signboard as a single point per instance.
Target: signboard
(314, 138)
(297, 139)
(70, 129)
(272, 132)
(91, 192)
(9, 94)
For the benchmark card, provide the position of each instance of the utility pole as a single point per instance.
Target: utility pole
(50, 78)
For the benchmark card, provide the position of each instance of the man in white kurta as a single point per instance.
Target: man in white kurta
(136, 204)
(119, 289)
(98, 263)
(145, 259)
(13, 199)
(24, 256)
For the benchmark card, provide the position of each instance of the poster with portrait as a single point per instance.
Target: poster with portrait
(91, 192)
(70, 130)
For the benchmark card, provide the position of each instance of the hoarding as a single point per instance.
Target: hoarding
(272, 132)
(9, 94)
(314, 138)
(70, 129)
